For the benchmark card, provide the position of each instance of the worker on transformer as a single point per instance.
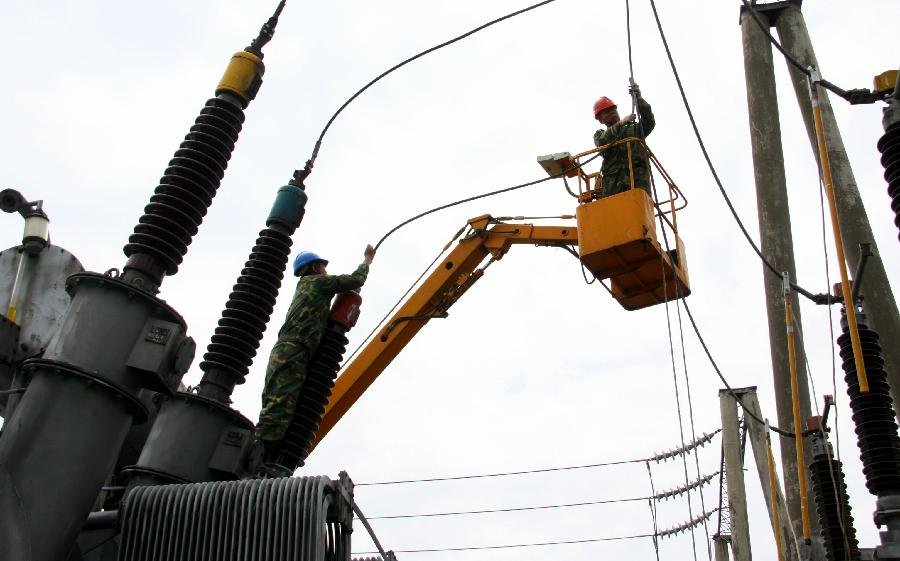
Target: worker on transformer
(615, 172)
(299, 339)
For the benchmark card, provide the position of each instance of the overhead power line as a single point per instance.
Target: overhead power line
(514, 509)
(443, 549)
(699, 442)
(502, 474)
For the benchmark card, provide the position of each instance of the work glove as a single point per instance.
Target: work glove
(617, 128)
(635, 89)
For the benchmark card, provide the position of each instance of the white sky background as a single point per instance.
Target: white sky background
(533, 369)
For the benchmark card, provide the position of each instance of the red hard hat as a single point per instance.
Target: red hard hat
(603, 104)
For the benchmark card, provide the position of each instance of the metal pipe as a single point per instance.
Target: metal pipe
(102, 519)
(16, 288)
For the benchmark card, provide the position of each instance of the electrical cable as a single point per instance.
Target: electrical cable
(728, 387)
(473, 548)
(517, 509)
(709, 163)
(12, 391)
(677, 397)
(831, 338)
(405, 294)
(300, 175)
(482, 196)
(693, 426)
(503, 474)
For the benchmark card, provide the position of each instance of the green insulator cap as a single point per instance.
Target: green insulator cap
(289, 206)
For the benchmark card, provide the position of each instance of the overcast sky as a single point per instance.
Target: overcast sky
(533, 368)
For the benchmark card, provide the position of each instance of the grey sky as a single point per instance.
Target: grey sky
(533, 368)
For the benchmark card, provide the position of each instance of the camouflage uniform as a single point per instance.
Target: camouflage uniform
(615, 173)
(297, 342)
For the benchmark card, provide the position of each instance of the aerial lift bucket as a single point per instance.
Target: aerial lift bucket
(617, 234)
(617, 240)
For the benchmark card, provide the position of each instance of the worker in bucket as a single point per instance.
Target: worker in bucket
(299, 339)
(615, 172)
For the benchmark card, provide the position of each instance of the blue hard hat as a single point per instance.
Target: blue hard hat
(305, 258)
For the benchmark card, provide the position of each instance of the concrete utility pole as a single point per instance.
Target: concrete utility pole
(721, 550)
(734, 470)
(776, 241)
(756, 434)
(879, 303)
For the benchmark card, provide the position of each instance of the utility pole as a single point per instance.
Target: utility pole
(879, 303)
(757, 437)
(734, 469)
(776, 240)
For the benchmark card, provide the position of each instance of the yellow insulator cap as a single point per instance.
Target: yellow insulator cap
(886, 81)
(243, 77)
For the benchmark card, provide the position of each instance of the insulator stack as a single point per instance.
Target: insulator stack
(873, 412)
(833, 505)
(187, 188)
(247, 311)
(323, 369)
(889, 146)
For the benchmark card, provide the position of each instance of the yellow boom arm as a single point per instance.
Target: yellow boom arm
(449, 280)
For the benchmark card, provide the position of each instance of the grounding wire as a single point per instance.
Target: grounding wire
(482, 196)
(510, 546)
(301, 175)
(516, 509)
(709, 163)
